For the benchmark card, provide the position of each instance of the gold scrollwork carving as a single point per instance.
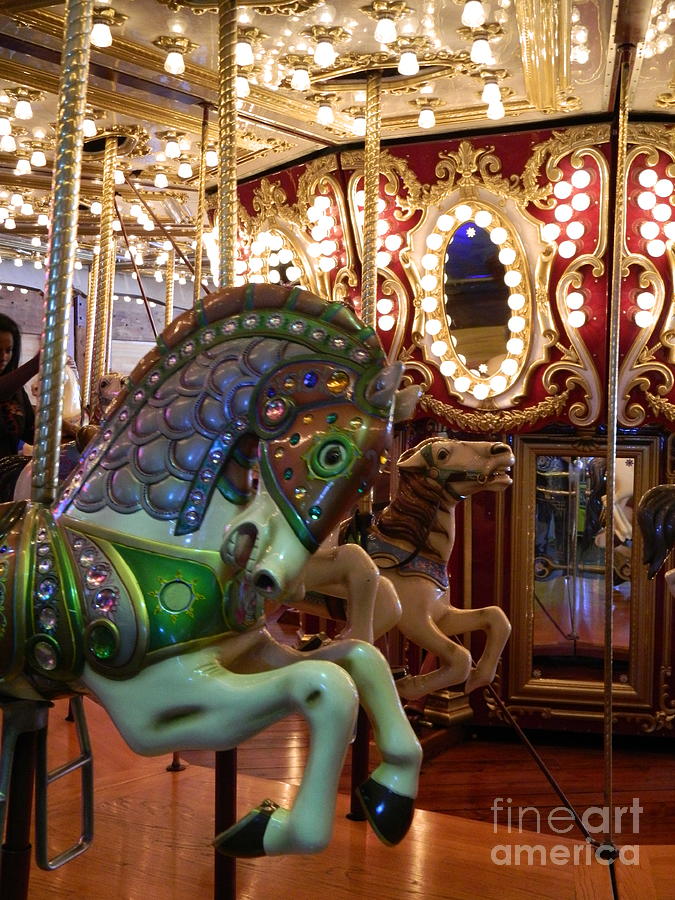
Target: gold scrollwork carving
(495, 422)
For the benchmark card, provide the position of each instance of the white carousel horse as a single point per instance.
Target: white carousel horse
(411, 543)
(148, 578)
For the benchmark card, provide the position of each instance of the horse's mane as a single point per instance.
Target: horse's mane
(188, 398)
(410, 516)
(656, 517)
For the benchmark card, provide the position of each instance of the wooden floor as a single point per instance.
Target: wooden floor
(153, 832)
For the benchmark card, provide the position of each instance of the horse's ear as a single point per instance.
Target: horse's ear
(415, 457)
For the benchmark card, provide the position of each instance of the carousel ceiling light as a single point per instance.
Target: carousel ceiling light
(119, 176)
(43, 220)
(161, 181)
(243, 88)
(480, 49)
(27, 209)
(10, 224)
(408, 64)
(643, 318)
(496, 111)
(176, 48)
(7, 143)
(105, 18)
(38, 158)
(325, 54)
(491, 92)
(35, 242)
(645, 300)
(325, 114)
(300, 79)
(244, 53)
(385, 30)
(473, 14)
(96, 208)
(211, 157)
(185, 170)
(359, 125)
(5, 126)
(22, 166)
(101, 35)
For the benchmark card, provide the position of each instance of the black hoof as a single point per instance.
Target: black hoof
(389, 814)
(245, 838)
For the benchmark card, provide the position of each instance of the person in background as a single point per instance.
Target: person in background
(17, 419)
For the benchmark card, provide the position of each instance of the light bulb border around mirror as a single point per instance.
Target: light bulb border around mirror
(479, 388)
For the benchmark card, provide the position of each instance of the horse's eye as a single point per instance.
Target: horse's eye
(331, 458)
(442, 454)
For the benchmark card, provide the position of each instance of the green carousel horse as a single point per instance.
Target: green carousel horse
(144, 585)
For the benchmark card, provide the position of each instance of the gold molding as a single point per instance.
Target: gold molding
(544, 29)
(496, 422)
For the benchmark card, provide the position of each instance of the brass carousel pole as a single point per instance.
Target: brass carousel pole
(201, 208)
(106, 273)
(620, 142)
(61, 253)
(371, 188)
(225, 872)
(89, 328)
(168, 297)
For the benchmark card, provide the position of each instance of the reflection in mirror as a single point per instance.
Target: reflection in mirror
(476, 299)
(569, 567)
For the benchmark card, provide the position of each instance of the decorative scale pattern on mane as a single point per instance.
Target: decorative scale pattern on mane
(188, 399)
(411, 514)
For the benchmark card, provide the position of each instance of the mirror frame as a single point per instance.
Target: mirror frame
(438, 343)
(569, 697)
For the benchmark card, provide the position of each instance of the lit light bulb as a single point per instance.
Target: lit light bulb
(211, 158)
(243, 54)
(473, 14)
(27, 209)
(426, 118)
(496, 111)
(325, 114)
(7, 143)
(408, 64)
(385, 30)
(22, 167)
(324, 54)
(172, 148)
(38, 159)
(491, 93)
(161, 181)
(35, 242)
(577, 318)
(243, 88)
(43, 220)
(646, 300)
(643, 318)
(480, 51)
(174, 63)
(88, 127)
(5, 126)
(185, 170)
(23, 110)
(101, 35)
(300, 79)
(359, 125)
(119, 176)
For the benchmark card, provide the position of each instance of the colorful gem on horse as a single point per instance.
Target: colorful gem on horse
(145, 584)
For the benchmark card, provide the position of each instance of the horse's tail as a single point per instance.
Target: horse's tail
(656, 517)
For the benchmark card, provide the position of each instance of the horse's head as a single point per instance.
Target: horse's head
(323, 428)
(461, 468)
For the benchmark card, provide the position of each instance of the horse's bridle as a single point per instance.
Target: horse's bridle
(445, 475)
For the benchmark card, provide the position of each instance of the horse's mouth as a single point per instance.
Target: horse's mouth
(502, 474)
(241, 548)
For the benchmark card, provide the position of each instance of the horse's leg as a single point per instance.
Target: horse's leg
(347, 571)
(417, 624)
(492, 620)
(192, 702)
(393, 784)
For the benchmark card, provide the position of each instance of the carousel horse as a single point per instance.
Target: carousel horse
(145, 584)
(411, 543)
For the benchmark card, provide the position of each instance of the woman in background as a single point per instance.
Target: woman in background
(17, 419)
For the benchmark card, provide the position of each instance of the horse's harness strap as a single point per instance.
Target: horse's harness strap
(445, 476)
(406, 563)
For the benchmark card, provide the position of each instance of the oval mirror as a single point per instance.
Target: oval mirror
(477, 300)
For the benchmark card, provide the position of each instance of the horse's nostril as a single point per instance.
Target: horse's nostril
(498, 449)
(266, 583)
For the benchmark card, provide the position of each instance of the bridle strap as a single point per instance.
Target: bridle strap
(446, 475)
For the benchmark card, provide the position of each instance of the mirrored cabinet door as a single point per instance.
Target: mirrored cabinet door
(558, 580)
